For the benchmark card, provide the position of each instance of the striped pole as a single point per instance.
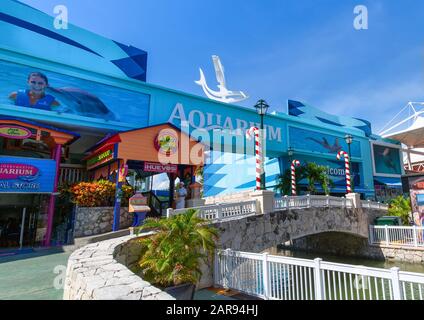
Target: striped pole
(254, 131)
(294, 164)
(347, 169)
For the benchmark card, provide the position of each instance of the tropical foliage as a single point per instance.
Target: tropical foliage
(172, 256)
(400, 207)
(95, 194)
(314, 173)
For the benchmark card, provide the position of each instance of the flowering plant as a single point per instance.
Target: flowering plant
(97, 193)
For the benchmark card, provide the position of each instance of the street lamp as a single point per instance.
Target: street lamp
(261, 108)
(290, 153)
(349, 139)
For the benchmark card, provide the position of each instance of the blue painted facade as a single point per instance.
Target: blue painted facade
(40, 179)
(113, 74)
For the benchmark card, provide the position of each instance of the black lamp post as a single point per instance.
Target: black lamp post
(349, 139)
(261, 108)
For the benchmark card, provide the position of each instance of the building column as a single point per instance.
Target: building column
(117, 206)
(57, 153)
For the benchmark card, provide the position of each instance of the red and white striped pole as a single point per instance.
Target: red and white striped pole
(249, 133)
(294, 164)
(347, 169)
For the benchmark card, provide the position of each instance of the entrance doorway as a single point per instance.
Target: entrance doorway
(21, 220)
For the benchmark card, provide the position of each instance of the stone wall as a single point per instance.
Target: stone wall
(93, 221)
(101, 271)
(261, 232)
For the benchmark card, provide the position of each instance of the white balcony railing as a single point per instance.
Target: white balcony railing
(222, 211)
(397, 236)
(285, 278)
(309, 201)
(374, 205)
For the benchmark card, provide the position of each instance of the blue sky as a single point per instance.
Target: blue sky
(306, 50)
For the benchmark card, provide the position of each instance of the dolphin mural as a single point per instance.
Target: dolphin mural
(77, 101)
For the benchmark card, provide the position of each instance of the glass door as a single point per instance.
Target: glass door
(10, 226)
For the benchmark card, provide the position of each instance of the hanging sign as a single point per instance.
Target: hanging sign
(14, 132)
(123, 171)
(158, 167)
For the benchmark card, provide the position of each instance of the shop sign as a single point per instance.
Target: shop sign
(19, 175)
(100, 159)
(14, 132)
(166, 142)
(158, 167)
(419, 185)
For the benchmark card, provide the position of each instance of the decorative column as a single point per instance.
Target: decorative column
(57, 153)
(347, 169)
(259, 161)
(294, 164)
(120, 178)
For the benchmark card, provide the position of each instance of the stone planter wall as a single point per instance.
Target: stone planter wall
(98, 220)
(101, 271)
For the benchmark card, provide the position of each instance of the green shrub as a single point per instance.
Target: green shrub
(172, 256)
(400, 207)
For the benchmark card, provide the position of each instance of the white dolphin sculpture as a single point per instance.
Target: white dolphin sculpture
(223, 95)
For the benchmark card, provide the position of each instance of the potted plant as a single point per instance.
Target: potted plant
(171, 258)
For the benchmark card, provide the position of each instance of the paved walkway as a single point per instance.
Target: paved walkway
(31, 276)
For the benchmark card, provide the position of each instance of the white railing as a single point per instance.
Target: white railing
(374, 205)
(72, 174)
(309, 201)
(284, 278)
(397, 236)
(221, 211)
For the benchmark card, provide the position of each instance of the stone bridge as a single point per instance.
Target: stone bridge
(261, 232)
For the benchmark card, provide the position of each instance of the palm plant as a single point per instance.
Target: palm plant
(314, 173)
(401, 207)
(172, 256)
(283, 184)
(317, 174)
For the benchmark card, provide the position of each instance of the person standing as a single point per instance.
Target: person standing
(180, 196)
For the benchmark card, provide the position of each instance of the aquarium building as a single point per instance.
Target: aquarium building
(75, 105)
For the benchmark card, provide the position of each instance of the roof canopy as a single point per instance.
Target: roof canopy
(50, 135)
(412, 136)
(162, 143)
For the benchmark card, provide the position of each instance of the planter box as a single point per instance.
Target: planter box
(98, 220)
(182, 292)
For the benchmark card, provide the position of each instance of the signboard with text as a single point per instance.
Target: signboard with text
(100, 158)
(26, 175)
(14, 132)
(158, 167)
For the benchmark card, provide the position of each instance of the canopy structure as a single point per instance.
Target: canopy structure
(407, 127)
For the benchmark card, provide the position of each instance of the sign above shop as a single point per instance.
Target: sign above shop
(166, 142)
(21, 175)
(419, 185)
(158, 167)
(100, 158)
(14, 132)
